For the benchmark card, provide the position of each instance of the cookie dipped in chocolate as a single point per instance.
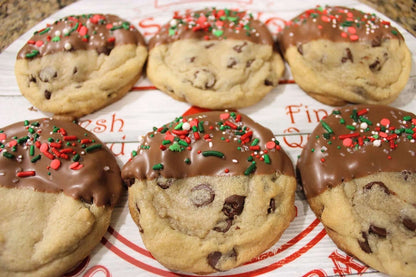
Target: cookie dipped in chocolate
(100, 32)
(357, 141)
(208, 144)
(213, 24)
(339, 24)
(54, 156)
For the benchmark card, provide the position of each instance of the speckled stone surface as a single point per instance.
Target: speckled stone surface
(18, 16)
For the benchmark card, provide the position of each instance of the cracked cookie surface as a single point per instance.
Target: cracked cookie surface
(80, 64)
(224, 61)
(339, 55)
(359, 176)
(210, 191)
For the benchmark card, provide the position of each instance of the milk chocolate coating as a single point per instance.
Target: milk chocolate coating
(100, 32)
(328, 162)
(213, 24)
(164, 152)
(338, 24)
(48, 149)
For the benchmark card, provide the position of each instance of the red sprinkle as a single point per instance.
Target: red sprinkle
(55, 164)
(3, 136)
(70, 138)
(25, 173)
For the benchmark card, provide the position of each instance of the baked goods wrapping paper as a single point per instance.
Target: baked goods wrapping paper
(304, 249)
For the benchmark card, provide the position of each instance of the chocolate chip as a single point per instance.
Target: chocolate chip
(202, 195)
(231, 62)
(249, 62)
(204, 79)
(300, 49)
(378, 183)
(192, 59)
(209, 45)
(233, 205)
(364, 244)
(376, 41)
(409, 224)
(239, 48)
(75, 70)
(223, 226)
(32, 78)
(268, 83)
(137, 220)
(272, 206)
(406, 174)
(47, 94)
(213, 258)
(348, 56)
(375, 66)
(164, 183)
(129, 182)
(378, 231)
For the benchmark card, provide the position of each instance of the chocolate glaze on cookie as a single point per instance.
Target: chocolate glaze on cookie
(213, 24)
(336, 24)
(208, 144)
(357, 141)
(101, 32)
(54, 156)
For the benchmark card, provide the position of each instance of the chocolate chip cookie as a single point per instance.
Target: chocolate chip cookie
(80, 64)
(340, 55)
(358, 173)
(214, 58)
(58, 187)
(210, 191)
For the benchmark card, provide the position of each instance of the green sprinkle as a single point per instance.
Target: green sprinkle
(250, 158)
(350, 127)
(194, 128)
(313, 150)
(407, 118)
(183, 143)
(408, 131)
(166, 142)
(164, 130)
(363, 119)
(250, 169)
(45, 31)
(36, 158)
(134, 153)
(266, 158)
(218, 33)
(8, 155)
(32, 150)
(394, 32)
(32, 54)
(31, 130)
(255, 142)
(213, 153)
(201, 127)
(354, 115)
(342, 121)
(56, 39)
(179, 126)
(171, 31)
(50, 139)
(326, 127)
(336, 112)
(26, 123)
(76, 158)
(22, 139)
(158, 167)
(187, 161)
(175, 147)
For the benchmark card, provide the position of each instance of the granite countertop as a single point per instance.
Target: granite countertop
(18, 16)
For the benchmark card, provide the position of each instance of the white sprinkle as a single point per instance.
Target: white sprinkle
(67, 46)
(363, 125)
(2, 173)
(210, 144)
(106, 168)
(186, 126)
(234, 161)
(57, 33)
(377, 143)
(173, 22)
(65, 31)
